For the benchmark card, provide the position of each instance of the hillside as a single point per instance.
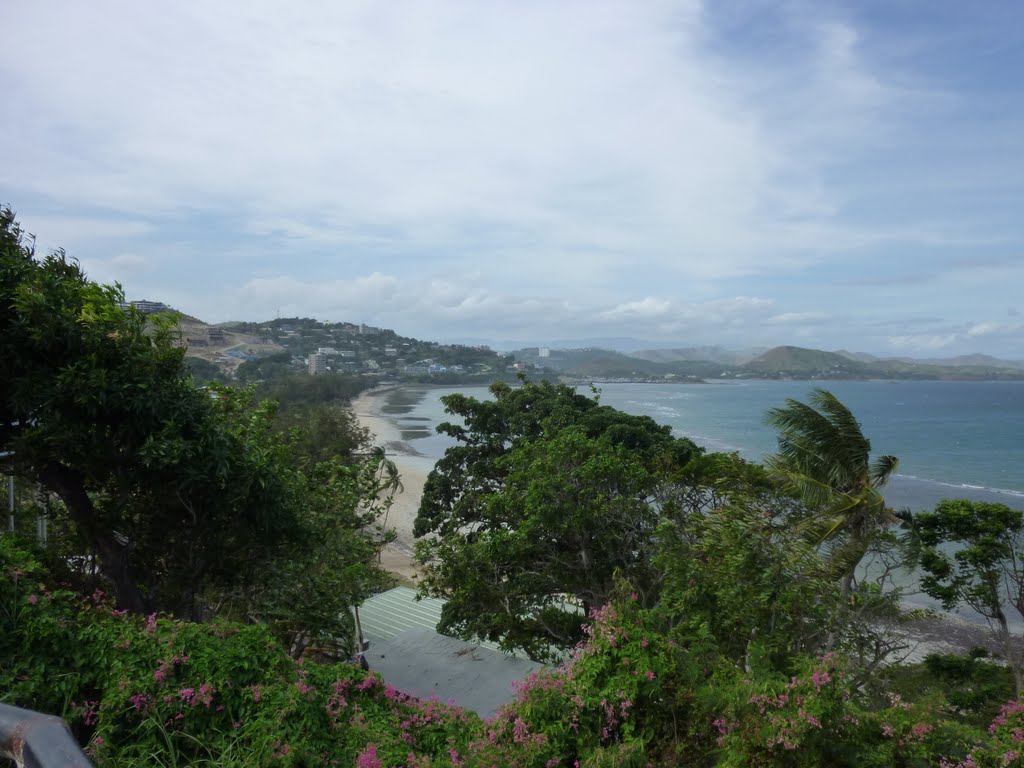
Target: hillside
(697, 354)
(799, 362)
(596, 363)
(784, 362)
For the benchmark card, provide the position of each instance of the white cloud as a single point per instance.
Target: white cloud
(648, 307)
(922, 342)
(797, 318)
(562, 127)
(456, 167)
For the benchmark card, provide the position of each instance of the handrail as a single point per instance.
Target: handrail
(34, 740)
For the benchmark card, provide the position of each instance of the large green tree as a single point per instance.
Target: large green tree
(974, 555)
(824, 456)
(176, 491)
(546, 496)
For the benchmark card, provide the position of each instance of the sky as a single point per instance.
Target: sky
(740, 173)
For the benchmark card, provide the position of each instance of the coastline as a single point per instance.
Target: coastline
(944, 633)
(413, 469)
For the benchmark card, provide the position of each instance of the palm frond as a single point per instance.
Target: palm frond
(882, 468)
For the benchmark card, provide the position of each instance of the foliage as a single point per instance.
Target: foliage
(984, 570)
(297, 390)
(546, 497)
(638, 691)
(184, 498)
(748, 582)
(151, 691)
(322, 432)
(974, 686)
(825, 457)
(204, 371)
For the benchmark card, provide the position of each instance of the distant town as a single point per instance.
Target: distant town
(356, 349)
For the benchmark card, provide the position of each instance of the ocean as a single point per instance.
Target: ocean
(954, 439)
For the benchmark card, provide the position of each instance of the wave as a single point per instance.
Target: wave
(654, 407)
(965, 486)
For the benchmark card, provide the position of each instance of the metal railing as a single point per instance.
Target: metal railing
(35, 740)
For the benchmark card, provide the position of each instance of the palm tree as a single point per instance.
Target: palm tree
(388, 478)
(388, 481)
(825, 457)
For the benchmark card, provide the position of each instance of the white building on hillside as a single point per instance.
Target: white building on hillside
(317, 363)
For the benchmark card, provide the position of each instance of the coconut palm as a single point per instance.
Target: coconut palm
(825, 457)
(387, 481)
(388, 478)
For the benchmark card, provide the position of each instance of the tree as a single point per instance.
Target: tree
(179, 492)
(547, 497)
(974, 555)
(825, 457)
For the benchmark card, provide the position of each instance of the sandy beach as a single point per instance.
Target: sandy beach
(413, 469)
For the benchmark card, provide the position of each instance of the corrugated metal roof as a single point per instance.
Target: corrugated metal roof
(385, 615)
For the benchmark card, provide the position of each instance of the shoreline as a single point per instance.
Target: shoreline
(942, 632)
(413, 468)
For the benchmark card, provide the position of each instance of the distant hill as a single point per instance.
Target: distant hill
(798, 361)
(785, 362)
(862, 357)
(597, 363)
(986, 361)
(961, 361)
(696, 354)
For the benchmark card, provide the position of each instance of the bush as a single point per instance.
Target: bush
(154, 691)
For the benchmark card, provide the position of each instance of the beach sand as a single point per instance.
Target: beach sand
(413, 469)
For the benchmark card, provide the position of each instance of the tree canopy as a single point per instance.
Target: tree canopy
(174, 489)
(974, 555)
(547, 496)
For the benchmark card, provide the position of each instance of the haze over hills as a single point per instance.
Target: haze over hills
(960, 360)
(710, 354)
(229, 343)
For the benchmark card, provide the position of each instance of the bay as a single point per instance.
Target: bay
(954, 439)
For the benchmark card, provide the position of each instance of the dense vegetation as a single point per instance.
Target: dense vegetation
(176, 498)
(703, 611)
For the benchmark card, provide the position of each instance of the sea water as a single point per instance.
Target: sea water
(954, 439)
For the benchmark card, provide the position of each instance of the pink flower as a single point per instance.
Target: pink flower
(649, 675)
(921, 730)
(368, 758)
(32, 599)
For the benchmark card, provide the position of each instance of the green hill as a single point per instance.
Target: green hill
(801, 362)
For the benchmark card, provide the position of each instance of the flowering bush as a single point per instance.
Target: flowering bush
(146, 690)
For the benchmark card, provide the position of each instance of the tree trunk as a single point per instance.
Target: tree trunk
(113, 557)
(1010, 652)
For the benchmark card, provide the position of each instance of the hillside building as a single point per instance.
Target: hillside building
(317, 363)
